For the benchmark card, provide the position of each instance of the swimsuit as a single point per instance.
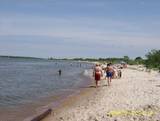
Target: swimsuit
(109, 74)
(97, 76)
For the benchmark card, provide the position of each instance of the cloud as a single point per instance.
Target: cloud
(78, 29)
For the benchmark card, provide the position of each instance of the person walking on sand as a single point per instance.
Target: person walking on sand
(97, 73)
(109, 73)
(119, 73)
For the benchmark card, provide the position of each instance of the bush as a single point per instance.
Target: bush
(153, 59)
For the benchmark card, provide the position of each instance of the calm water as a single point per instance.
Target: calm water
(25, 81)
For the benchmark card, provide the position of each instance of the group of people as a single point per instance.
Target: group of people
(109, 72)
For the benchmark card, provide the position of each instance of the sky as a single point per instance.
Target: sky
(79, 28)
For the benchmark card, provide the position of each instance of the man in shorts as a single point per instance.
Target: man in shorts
(109, 73)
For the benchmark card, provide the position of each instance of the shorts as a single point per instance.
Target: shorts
(109, 74)
(97, 76)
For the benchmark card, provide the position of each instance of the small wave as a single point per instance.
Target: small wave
(87, 73)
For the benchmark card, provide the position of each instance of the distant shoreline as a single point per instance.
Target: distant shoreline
(20, 57)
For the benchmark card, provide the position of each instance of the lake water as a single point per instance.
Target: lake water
(26, 81)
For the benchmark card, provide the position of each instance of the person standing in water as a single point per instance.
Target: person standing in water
(60, 72)
(97, 73)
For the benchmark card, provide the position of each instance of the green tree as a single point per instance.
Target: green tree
(153, 59)
(139, 60)
(126, 59)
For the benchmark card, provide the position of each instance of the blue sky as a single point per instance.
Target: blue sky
(79, 28)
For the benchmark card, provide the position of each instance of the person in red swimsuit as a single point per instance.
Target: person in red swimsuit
(97, 72)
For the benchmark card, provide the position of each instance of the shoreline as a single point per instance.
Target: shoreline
(135, 92)
(72, 100)
(53, 106)
(69, 101)
(39, 109)
(28, 109)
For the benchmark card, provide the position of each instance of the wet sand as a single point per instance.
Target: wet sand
(134, 97)
(21, 112)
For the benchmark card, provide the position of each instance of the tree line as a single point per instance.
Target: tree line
(152, 60)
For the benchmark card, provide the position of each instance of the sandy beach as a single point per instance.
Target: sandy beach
(134, 97)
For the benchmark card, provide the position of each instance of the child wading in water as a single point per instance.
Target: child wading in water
(60, 72)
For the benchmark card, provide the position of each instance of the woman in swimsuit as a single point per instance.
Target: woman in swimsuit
(97, 73)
